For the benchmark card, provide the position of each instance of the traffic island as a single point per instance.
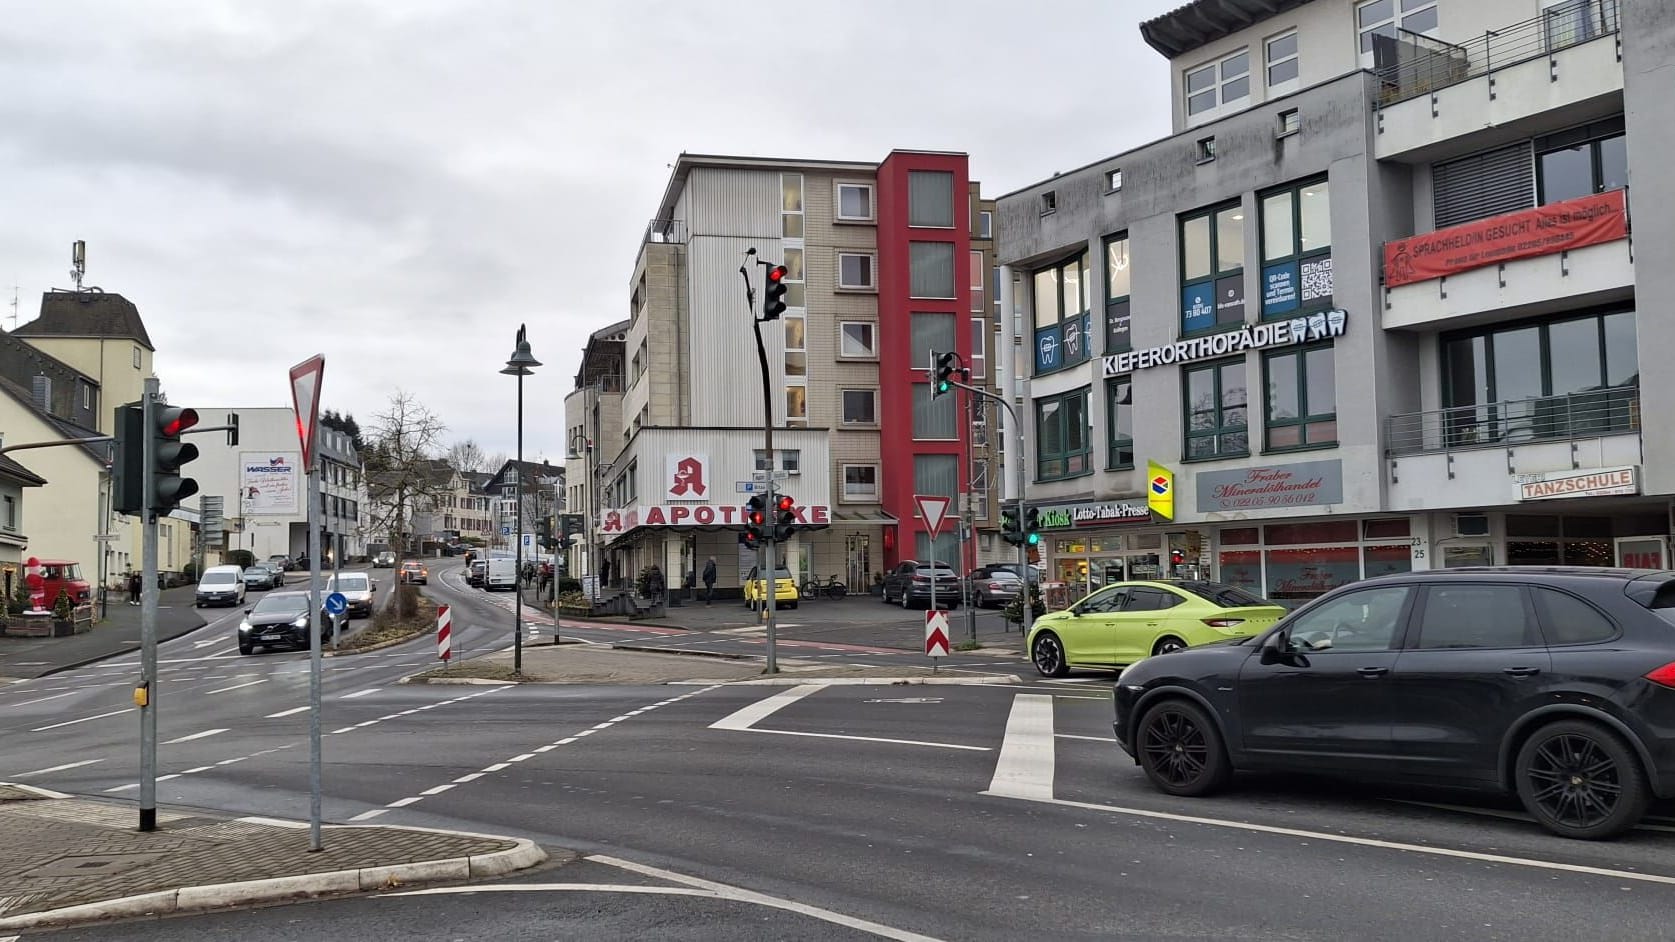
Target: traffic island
(408, 616)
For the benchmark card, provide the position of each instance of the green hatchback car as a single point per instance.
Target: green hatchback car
(1127, 621)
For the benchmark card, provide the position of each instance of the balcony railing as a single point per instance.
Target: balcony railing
(1409, 64)
(670, 230)
(1587, 414)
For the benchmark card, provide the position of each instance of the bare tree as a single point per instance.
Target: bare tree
(467, 456)
(493, 463)
(403, 472)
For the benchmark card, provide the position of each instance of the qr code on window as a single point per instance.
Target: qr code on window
(1317, 280)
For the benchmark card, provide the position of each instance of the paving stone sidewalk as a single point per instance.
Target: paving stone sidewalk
(60, 852)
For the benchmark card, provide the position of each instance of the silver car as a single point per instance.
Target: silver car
(357, 589)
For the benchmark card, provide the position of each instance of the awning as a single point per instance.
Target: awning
(874, 518)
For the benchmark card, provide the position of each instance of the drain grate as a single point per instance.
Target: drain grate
(81, 865)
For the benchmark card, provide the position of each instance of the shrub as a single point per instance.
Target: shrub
(63, 609)
(19, 602)
(243, 559)
(567, 585)
(1014, 611)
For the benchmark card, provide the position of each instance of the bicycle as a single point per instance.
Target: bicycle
(832, 588)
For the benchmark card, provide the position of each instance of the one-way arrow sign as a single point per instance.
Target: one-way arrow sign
(936, 633)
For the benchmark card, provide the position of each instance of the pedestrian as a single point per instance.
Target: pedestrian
(605, 573)
(134, 582)
(709, 580)
(655, 582)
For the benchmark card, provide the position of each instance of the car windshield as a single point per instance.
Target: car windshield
(348, 584)
(1226, 596)
(256, 571)
(939, 569)
(778, 574)
(281, 605)
(1003, 575)
(219, 578)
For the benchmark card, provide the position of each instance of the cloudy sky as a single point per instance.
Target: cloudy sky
(399, 184)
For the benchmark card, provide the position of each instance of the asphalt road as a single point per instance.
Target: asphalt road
(814, 811)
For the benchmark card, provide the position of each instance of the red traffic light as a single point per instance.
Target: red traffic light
(777, 273)
(175, 421)
(756, 518)
(785, 502)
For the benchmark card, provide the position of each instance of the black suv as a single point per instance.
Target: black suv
(910, 584)
(1557, 684)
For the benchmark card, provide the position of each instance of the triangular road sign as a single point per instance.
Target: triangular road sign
(936, 633)
(305, 400)
(933, 509)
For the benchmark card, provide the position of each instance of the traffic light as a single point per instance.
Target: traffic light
(1032, 526)
(944, 371)
(128, 465)
(1011, 525)
(169, 453)
(773, 296)
(570, 526)
(544, 533)
(755, 521)
(785, 518)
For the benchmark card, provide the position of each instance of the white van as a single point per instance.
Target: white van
(502, 574)
(220, 585)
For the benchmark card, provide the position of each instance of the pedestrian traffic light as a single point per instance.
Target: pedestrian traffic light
(755, 521)
(570, 527)
(785, 518)
(773, 296)
(1011, 525)
(944, 372)
(1032, 526)
(128, 464)
(169, 454)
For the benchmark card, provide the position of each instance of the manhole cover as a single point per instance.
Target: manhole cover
(91, 865)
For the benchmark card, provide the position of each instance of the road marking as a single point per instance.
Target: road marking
(59, 768)
(1088, 738)
(360, 693)
(236, 686)
(746, 717)
(123, 788)
(438, 789)
(164, 778)
(525, 756)
(1512, 815)
(898, 742)
(498, 766)
(291, 712)
(85, 719)
(44, 699)
(403, 802)
(201, 768)
(346, 729)
(203, 735)
(468, 778)
(369, 815)
(1025, 766)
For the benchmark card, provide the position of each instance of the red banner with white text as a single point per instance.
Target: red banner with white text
(1544, 230)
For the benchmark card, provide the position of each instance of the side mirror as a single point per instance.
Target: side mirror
(248, 611)
(1274, 648)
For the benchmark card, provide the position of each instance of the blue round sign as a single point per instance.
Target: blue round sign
(336, 604)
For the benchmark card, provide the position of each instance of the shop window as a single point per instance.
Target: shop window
(1212, 268)
(1061, 437)
(1061, 302)
(1304, 573)
(1296, 249)
(1118, 280)
(1389, 528)
(1119, 413)
(1216, 421)
(1301, 409)
(1241, 536)
(1318, 531)
(1387, 560)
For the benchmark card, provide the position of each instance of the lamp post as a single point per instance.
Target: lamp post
(520, 365)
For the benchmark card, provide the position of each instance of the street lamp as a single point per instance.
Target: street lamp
(520, 365)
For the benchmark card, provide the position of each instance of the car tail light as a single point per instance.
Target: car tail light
(921, 578)
(1224, 622)
(1663, 676)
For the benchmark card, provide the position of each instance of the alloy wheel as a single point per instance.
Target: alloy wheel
(1174, 747)
(1169, 646)
(1574, 781)
(1048, 655)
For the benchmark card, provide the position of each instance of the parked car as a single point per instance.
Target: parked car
(1033, 572)
(1125, 622)
(500, 573)
(63, 576)
(258, 577)
(285, 563)
(476, 572)
(278, 574)
(910, 584)
(756, 590)
(414, 572)
(991, 586)
(1556, 684)
(220, 585)
(357, 589)
(281, 618)
(384, 560)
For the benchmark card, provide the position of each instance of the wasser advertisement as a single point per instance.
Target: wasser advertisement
(269, 482)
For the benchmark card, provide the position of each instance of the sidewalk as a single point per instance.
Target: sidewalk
(68, 860)
(120, 632)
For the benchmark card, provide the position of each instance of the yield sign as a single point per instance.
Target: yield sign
(933, 509)
(305, 401)
(936, 633)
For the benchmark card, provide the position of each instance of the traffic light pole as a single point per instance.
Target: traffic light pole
(766, 566)
(147, 693)
(1027, 606)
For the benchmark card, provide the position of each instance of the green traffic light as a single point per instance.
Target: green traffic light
(941, 387)
(1034, 539)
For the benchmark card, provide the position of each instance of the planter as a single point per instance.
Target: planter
(30, 625)
(575, 611)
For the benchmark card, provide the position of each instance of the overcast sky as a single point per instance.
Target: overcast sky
(398, 185)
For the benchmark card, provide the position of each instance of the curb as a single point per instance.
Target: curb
(374, 647)
(524, 854)
(688, 652)
(458, 681)
(916, 681)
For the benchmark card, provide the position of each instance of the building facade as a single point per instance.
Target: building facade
(1370, 308)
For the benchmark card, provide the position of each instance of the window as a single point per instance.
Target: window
(1476, 616)
(935, 418)
(1484, 184)
(1206, 149)
(1302, 410)
(930, 198)
(857, 339)
(1049, 202)
(136, 358)
(854, 202)
(1296, 249)
(1289, 121)
(1119, 412)
(1368, 620)
(1212, 268)
(978, 289)
(1219, 83)
(1282, 61)
(1113, 180)
(985, 225)
(1566, 619)
(936, 474)
(855, 272)
(1216, 425)
(1061, 436)
(860, 482)
(1581, 162)
(1061, 302)
(860, 407)
(931, 267)
(790, 459)
(796, 293)
(8, 513)
(1148, 599)
(791, 205)
(86, 395)
(930, 332)
(1380, 18)
(1117, 279)
(979, 359)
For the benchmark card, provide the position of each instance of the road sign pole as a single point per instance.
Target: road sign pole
(147, 694)
(314, 495)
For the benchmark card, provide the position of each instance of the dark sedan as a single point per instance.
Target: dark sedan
(1553, 683)
(994, 587)
(910, 583)
(281, 619)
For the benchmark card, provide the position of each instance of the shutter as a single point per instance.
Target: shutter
(1484, 185)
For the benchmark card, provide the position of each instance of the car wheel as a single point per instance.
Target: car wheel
(904, 603)
(1048, 655)
(1580, 781)
(1168, 645)
(1180, 749)
(246, 649)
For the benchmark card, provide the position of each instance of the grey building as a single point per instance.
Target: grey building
(1370, 308)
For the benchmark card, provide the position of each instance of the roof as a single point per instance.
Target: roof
(87, 314)
(686, 163)
(20, 474)
(530, 471)
(1202, 22)
(100, 452)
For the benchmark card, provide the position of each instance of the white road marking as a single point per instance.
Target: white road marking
(438, 789)
(1025, 766)
(497, 767)
(746, 717)
(123, 788)
(85, 719)
(203, 735)
(346, 729)
(236, 686)
(59, 768)
(201, 768)
(291, 712)
(360, 693)
(44, 699)
(468, 778)
(1088, 738)
(164, 778)
(898, 742)
(403, 802)
(369, 815)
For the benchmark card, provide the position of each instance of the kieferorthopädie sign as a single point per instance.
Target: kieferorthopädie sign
(1306, 329)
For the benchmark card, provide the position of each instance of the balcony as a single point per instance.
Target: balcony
(1429, 91)
(666, 231)
(1588, 414)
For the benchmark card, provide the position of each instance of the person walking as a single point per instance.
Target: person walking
(709, 580)
(655, 582)
(134, 582)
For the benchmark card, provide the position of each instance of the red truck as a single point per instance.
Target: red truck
(61, 575)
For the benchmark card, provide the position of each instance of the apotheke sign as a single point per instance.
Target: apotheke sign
(1307, 329)
(1093, 515)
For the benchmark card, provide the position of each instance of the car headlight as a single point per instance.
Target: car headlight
(301, 621)
(243, 627)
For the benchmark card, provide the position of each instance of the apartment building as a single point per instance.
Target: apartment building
(1370, 308)
(880, 260)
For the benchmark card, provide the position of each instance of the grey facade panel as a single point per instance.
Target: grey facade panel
(718, 299)
(723, 202)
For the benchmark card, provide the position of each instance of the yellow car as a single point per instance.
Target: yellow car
(785, 590)
(1128, 621)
